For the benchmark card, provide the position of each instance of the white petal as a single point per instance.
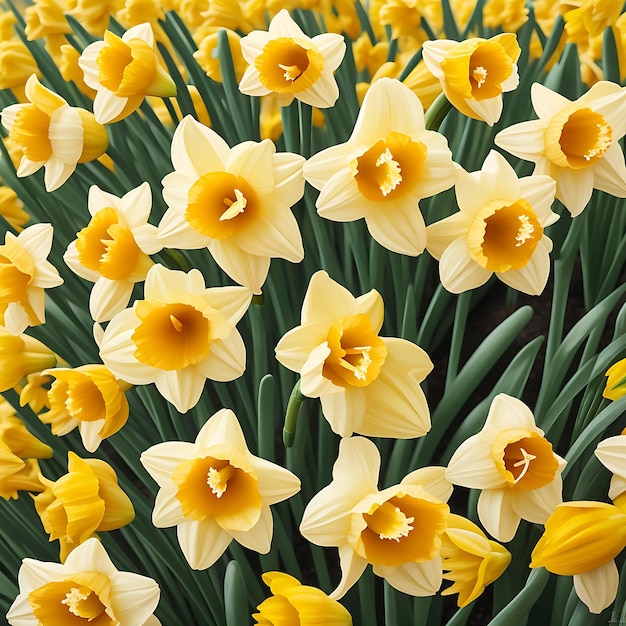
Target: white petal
(612, 454)
(247, 269)
(496, 514)
(162, 459)
(135, 205)
(341, 200)
(108, 298)
(227, 359)
(89, 434)
(539, 192)
(345, 410)
(202, 542)
(321, 167)
(222, 428)
(609, 173)
(536, 505)
(197, 149)
(16, 319)
(135, 597)
(275, 483)
(57, 172)
(524, 140)
(72, 261)
(167, 510)
(472, 465)
(182, 388)
(458, 271)
(488, 110)
(352, 566)
(574, 188)
(432, 479)
(107, 106)
(259, 537)
(547, 102)
(294, 349)
(598, 588)
(442, 233)
(326, 300)
(507, 412)
(531, 278)
(416, 579)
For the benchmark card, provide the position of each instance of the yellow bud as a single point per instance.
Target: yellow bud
(95, 138)
(20, 356)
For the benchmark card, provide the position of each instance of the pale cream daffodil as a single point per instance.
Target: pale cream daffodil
(612, 454)
(513, 465)
(287, 64)
(397, 530)
(215, 490)
(234, 201)
(574, 142)
(474, 73)
(112, 250)
(25, 274)
(179, 335)
(52, 134)
(86, 588)
(499, 230)
(367, 384)
(123, 71)
(387, 166)
(581, 539)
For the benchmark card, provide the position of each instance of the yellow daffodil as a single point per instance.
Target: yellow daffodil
(581, 539)
(17, 64)
(179, 335)
(286, 63)
(386, 167)
(591, 17)
(367, 384)
(612, 454)
(124, 71)
(510, 15)
(470, 560)
(35, 392)
(208, 59)
(21, 355)
(615, 386)
(498, 230)
(45, 18)
(19, 451)
(235, 202)
(86, 589)
(474, 73)
(93, 15)
(397, 530)
(513, 464)
(82, 502)
(12, 209)
(112, 250)
(214, 490)
(88, 397)
(574, 142)
(298, 604)
(52, 134)
(25, 274)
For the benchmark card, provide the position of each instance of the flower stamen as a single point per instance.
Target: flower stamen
(218, 479)
(73, 598)
(392, 176)
(603, 142)
(176, 323)
(480, 75)
(524, 463)
(292, 72)
(389, 522)
(235, 207)
(525, 231)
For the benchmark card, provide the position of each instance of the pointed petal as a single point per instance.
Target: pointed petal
(136, 597)
(182, 388)
(326, 301)
(432, 479)
(473, 466)
(259, 537)
(497, 515)
(609, 173)
(574, 188)
(597, 588)
(344, 410)
(416, 579)
(539, 191)
(108, 298)
(107, 106)
(275, 483)
(352, 566)
(536, 505)
(202, 542)
(321, 167)
(458, 271)
(197, 149)
(294, 349)
(227, 359)
(341, 200)
(167, 510)
(524, 140)
(488, 110)
(442, 233)
(547, 102)
(531, 278)
(249, 270)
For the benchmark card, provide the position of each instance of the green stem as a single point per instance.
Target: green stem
(437, 112)
(294, 404)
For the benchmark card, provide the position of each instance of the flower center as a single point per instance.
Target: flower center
(171, 336)
(390, 168)
(219, 204)
(107, 246)
(288, 65)
(30, 132)
(126, 68)
(501, 238)
(489, 66)
(221, 488)
(584, 138)
(524, 459)
(13, 283)
(403, 529)
(356, 352)
(479, 75)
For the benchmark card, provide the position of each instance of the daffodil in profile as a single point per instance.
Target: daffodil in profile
(52, 134)
(615, 386)
(611, 452)
(88, 397)
(215, 490)
(86, 500)
(179, 335)
(499, 230)
(234, 201)
(582, 539)
(475, 73)
(87, 589)
(25, 274)
(112, 250)
(287, 64)
(367, 384)
(386, 167)
(123, 71)
(513, 465)
(471, 561)
(574, 142)
(297, 604)
(397, 530)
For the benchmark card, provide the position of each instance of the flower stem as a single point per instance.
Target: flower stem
(291, 415)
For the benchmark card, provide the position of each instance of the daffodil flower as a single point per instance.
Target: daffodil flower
(513, 464)
(367, 384)
(298, 604)
(470, 560)
(615, 386)
(52, 134)
(574, 142)
(386, 167)
(474, 73)
(124, 71)
(214, 490)
(88, 397)
(112, 250)
(179, 335)
(287, 64)
(397, 530)
(86, 588)
(25, 274)
(498, 230)
(611, 452)
(235, 202)
(581, 539)
(82, 502)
